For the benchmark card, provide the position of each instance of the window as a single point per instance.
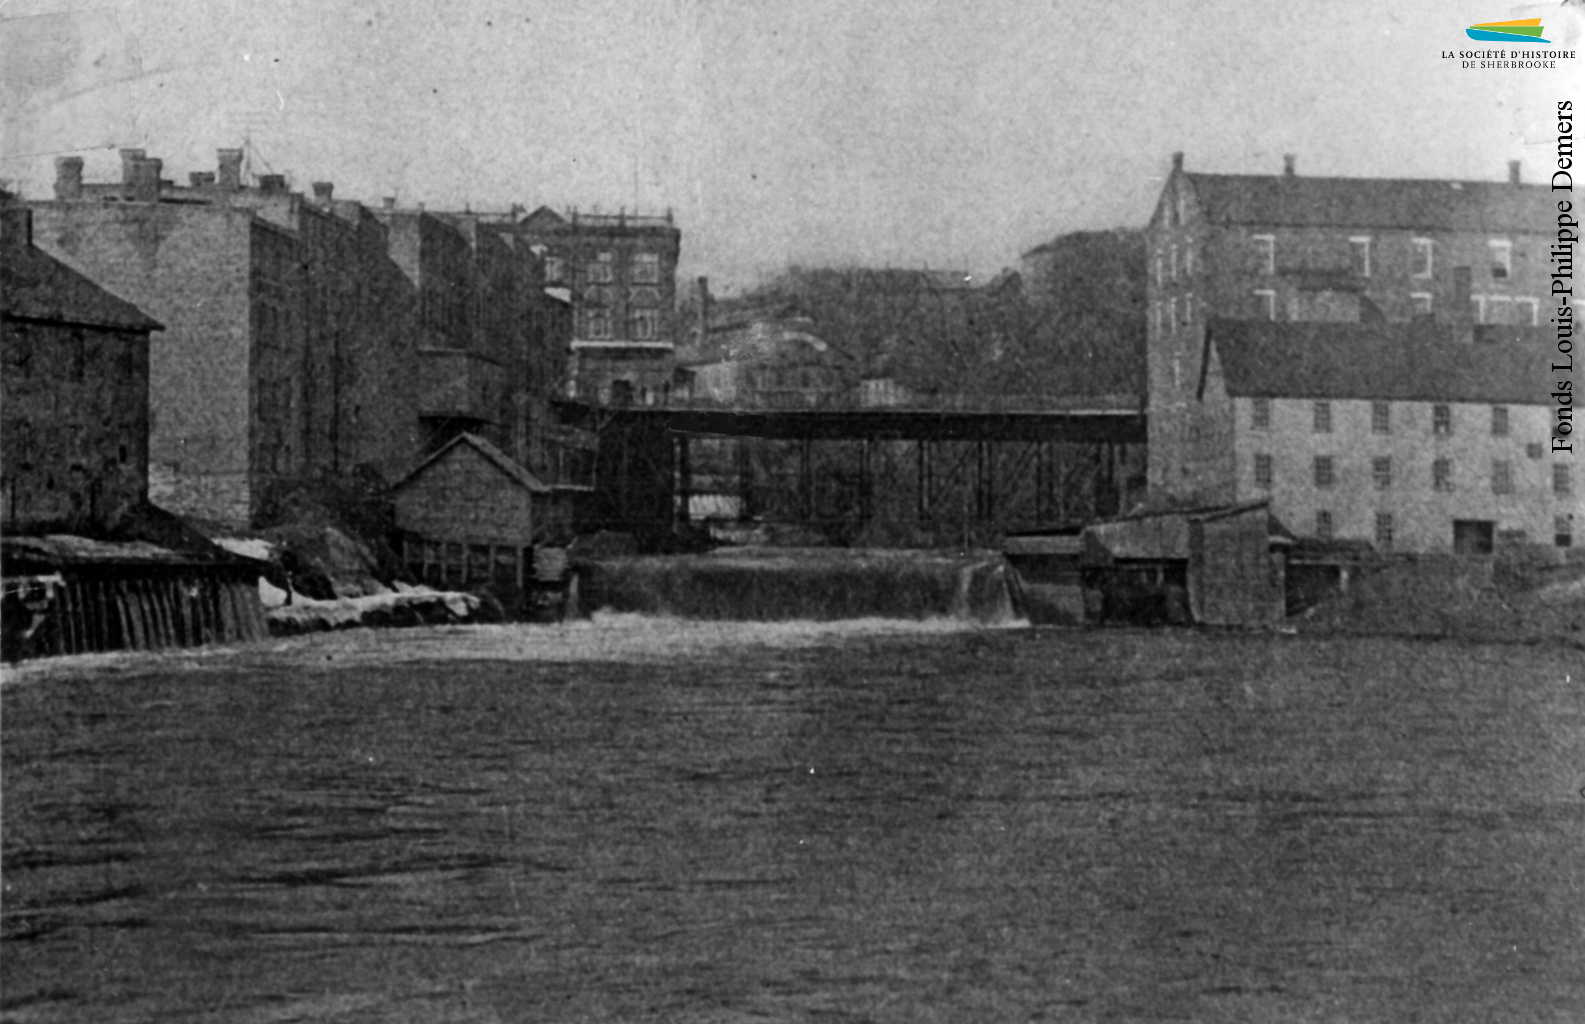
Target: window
(1172, 261)
(1561, 484)
(600, 269)
(1323, 524)
(1265, 253)
(1381, 417)
(1381, 471)
(1360, 248)
(1563, 531)
(1441, 419)
(1266, 301)
(1260, 414)
(1188, 258)
(644, 297)
(1263, 474)
(1323, 417)
(1172, 314)
(1421, 264)
(555, 269)
(1422, 303)
(1442, 475)
(1499, 421)
(1533, 305)
(1534, 450)
(1384, 529)
(646, 268)
(1501, 477)
(1325, 476)
(1188, 309)
(599, 323)
(1477, 310)
(641, 324)
(1501, 259)
(1160, 277)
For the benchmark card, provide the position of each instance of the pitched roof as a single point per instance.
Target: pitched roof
(543, 217)
(1405, 203)
(492, 454)
(36, 286)
(1415, 361)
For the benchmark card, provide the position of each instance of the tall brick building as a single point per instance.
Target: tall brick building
(1370, 353)
(289, 346)
(74, 369)
(621, 273)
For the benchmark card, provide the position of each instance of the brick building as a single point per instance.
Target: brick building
(75, 431)
(1367, 352)
(621, 274)
(289, 348)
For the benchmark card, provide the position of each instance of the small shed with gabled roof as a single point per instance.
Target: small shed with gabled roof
(473, 517)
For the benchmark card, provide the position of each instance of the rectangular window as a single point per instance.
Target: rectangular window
(555, 269)
(1534, 307)
(1323, 524)
(1442, 475)
(1360, 248)
(1260, 414)
(1381, 417)
(1384, 529)
(1421, 264)
(1499, 421)
(1188, 309)
(1534, 450)
(642, 323)
(1477, 311)
(1441, 419)
(599, 324)
(600, 270)
(1160, 277)
(1563, 531)
(646, 268)
(1381, 471)
(1263, 474)
(1322, 418)
(1188, 258)
(1172, 261)
(1324, 471)
(1172, 314)
(1265, 253)
(1266, 303)
(1422, 303)
(1501, 477)
(1561, 483)
(1501, 259)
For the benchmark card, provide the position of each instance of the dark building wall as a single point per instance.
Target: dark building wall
(463, 497)
(190, 267)
(75, 429)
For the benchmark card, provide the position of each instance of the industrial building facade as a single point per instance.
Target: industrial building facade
(1367, 353)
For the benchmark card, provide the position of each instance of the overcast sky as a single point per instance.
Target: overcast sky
(910, 133)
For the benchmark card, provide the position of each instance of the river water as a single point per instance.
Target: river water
(887, 825)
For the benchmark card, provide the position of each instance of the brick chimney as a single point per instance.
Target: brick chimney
(1288, 162)
(68, 177)
(272, 184)
(1177, 161)
(323, 191)
(1513, 172)
(146, 180)
(388, 203)
(704, 310)
(128, 158)
(229, 176)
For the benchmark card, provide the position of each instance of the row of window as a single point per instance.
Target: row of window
(595, 295)
(1324, 474)
(1326, 528)
(643, 268)
(1515, 310)
(1422, 261)
(642, 324)
(1380, 418)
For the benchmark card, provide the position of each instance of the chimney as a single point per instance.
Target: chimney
(146, 180)
(201, 179)
(230, 173)
(704, 309)
(1513, 172)
(68, 177)
(1177, 162)
(128, 158)
(16, 224)
(272, 184)
(1288, 161)
(322, 192)
(388, 203)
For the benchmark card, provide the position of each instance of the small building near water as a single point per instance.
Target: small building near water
(472, 518)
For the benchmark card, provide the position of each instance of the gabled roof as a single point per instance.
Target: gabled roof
(1415, 361)
(492, 454)
(543, 217)
(1405, 203)
(36, 286)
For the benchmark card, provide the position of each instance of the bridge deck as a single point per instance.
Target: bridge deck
(1095, 426)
